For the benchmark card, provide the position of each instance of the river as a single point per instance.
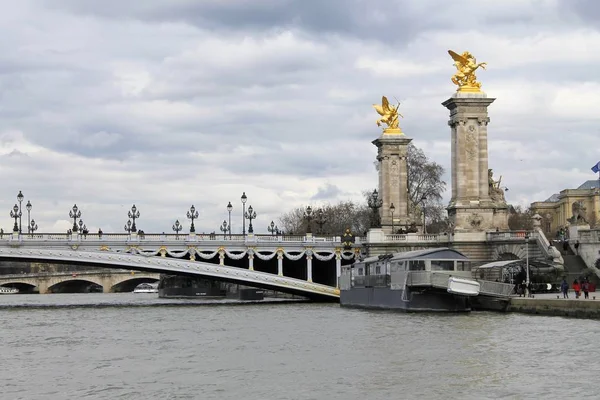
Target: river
(105, 346)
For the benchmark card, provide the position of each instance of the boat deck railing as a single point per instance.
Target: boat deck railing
(439, 279)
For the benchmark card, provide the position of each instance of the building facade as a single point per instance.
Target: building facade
(571, 207)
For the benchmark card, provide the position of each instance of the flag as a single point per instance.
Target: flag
(596, 168)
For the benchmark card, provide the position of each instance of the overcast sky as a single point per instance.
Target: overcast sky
(169, 103)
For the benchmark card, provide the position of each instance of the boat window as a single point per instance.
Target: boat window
(463, 265)
(378, 270)
(416, 265)
(437, 265)
(360, 271)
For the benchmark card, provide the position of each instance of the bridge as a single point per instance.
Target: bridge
(149, 262)
(49, 282)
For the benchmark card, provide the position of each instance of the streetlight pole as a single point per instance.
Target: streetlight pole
(33, 227)
(244, 199)
(14, 213)
(272, 228)
(423, 198)
(75, 213)
(177, 227)
(133, 214)
(392, 209)
(308, 216)
(250, 215)
(527, 262)
(28, 206)
(224, 228)
(20, 198)
(128, 228)
(374, 203)
(229, 208)
(192, 214)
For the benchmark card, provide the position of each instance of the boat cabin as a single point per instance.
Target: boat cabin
(379, 270)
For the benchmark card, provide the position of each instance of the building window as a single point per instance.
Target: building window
(360, 271)
(378, 270)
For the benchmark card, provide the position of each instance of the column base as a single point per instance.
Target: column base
(478, 218)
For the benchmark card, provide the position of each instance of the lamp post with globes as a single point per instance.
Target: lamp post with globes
(250, 215)
(75, 213)
(192, 214)
(308, 216)
(20, 198)
(229, 208)
(224, 228)
(128, 227)
(32, 227)
(272, 228)
(375, 203)
(244, 199)
(28, 206)
(133, 214)
(177, 227)
(320, 220)
(14, 213)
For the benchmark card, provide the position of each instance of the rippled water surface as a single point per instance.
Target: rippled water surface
(284, 351)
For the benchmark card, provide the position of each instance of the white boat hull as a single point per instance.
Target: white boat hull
(463, 287)
(6, 290)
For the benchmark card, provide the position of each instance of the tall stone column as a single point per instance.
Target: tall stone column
(309, 268)
(471, 207)
(393, 178)
(280, 264)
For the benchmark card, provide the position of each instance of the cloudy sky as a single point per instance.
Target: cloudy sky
(168, 103)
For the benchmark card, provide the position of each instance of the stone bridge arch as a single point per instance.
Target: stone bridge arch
(128, 283)
(70, 285)
(24, 287)
(509, 251)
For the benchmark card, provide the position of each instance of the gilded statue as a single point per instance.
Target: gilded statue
(389, 116)
(465, 78)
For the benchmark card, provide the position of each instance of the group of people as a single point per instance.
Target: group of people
(578, 287)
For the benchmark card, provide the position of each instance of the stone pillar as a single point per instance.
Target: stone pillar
(338, 267)
(309, 268)
(42, 285)
(280, 264)
(251, 262)
(393, 178)
(472, 207)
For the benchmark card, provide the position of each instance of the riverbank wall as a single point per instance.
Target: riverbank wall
(576, 308)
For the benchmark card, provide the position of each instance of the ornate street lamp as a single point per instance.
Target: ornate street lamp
(14, 213)
(75, 213)
(308, 217)
(229, 208)
(244, 200)
(20, 198)
(177, 227)
(320, 220)
(250, 215)
(374, 203)
(192, 214)
(81, 226)
(224, 228)
(28, 206)
(133, 214)
(273, 228)
(32, 227)
(128, 227)
(392, 209)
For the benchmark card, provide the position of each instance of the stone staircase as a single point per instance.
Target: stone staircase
(575, 268)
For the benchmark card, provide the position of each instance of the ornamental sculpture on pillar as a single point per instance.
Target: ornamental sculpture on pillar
(465, 78)
(389, 116)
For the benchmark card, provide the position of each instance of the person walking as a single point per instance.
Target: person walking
(564, 287)
(577, 248)
(585, 286)
(576, 288)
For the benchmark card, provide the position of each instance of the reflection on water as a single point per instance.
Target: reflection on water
(284, 351)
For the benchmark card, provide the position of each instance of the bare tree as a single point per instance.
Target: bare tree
(519, 219)
(425, 185)
(335, 219)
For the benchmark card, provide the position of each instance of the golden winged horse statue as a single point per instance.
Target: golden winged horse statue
(389, 115)
(465, 78)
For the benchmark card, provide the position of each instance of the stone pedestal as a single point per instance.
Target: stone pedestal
(472, 207)
(393, 178)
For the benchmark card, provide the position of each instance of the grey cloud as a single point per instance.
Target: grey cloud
(327, 192)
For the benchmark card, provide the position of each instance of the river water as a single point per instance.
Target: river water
(105, 346)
